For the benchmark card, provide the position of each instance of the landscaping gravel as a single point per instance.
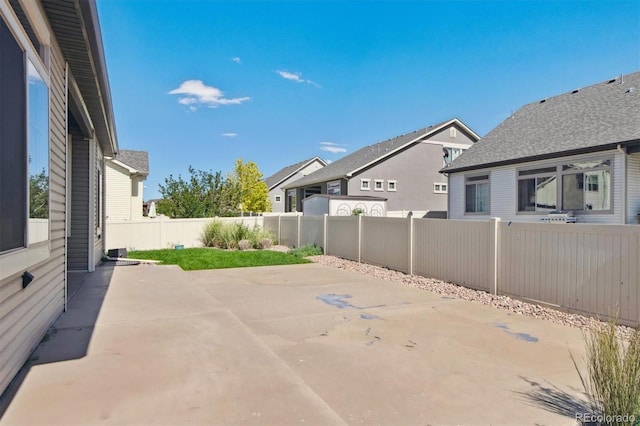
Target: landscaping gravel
(454, 290)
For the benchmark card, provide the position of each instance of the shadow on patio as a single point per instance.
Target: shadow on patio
(72, 331)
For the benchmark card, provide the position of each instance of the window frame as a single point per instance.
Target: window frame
(375, 185)
(278, 199)
(438, 188)
(389, 185)
(362, 184)
(18, 259)
(560, 173)
(473, 180)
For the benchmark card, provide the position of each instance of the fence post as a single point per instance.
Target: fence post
(359, 238)
(278, 233)
(298, 239)
(493, 254)
(410, 268)
(324, 233)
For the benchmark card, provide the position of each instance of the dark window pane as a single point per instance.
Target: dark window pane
(537, 171)
(470, 197)
(526, 195)
(13, 143)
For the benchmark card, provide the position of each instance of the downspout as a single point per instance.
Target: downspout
(624, 183)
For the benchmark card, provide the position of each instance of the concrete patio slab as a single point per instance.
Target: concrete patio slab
(300, 344)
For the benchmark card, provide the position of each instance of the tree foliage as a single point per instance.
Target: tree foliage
(204, 194)
(254, 193)
(39, 195)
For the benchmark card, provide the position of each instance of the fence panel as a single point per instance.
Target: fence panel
(270, 223)
(312, 230)
(342, 237)
(580, 267)
(385, 242)
(453, 250)
(162, 232)
(289, 231)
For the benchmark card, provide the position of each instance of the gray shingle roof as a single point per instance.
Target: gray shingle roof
(588, 119)
(284, 173)
(138, 160)
(352, 162)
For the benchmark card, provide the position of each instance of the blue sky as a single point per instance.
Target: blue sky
(203, 83)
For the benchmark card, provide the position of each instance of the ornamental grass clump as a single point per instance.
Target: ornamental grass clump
(228, 236)
(612, 379)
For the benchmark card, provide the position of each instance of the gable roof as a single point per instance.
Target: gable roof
(594, 118)
(289, 171)
(351, 164)
(136, 161)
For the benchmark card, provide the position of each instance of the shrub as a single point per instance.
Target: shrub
(305, 251)
(266, 243)
(612, 380)
(244, 244)
(357, 212)
(228, 235)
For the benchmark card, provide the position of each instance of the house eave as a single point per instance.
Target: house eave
(77, 30)
(296, 171)
(635, 144)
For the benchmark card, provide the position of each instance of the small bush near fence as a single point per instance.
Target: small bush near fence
(305, 251)
(230, 235)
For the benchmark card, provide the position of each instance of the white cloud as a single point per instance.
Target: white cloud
(296, 76)
(229, 135)
(236, 60)
(196, 93)
(331, 147)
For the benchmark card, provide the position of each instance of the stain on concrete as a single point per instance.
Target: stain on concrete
(448, 298)
(520, 336)
(375, 338)
(369, 316)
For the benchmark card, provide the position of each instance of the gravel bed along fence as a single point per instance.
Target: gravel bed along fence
(454, 290)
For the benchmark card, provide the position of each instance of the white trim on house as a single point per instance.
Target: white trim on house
(364, 187)
(324, 163)
(375, 185)
(392, 185)
(439, 188)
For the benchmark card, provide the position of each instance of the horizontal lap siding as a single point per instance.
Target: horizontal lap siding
(584, 268)
(385, 242)
(312, 231)
(453, 250)
(26, 314)
(342, 237)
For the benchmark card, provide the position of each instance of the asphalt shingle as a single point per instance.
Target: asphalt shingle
(593, 117)
(138, 160)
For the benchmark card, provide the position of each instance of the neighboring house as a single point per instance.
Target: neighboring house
(404, 170)
(125, 176)
(286, 176)
(578, 152)
(56, 126)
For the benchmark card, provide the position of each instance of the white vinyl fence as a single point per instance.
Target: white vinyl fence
(589, 269)
(162, 232)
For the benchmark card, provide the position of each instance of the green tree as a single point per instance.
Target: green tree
(254, 193)
(204, 194)
(39, 195)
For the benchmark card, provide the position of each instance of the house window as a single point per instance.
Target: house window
(278, 199)
(537, 190)
(365, 184)
(392, 185)
(582, 186)
(586, 185)
(477, 194)
(450, 154)
(24, 145)
(440, 188)
(378, 185)
(334, 188)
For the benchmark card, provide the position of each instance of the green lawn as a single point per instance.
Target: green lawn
(206, 258)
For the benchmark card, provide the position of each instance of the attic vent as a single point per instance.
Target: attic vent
(575, 91)
(543, 101)
(611, 81)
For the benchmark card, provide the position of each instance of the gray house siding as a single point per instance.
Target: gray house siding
(633, 188)
(26, 314)
(414, 171)
(279, 191)
(77, 254)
